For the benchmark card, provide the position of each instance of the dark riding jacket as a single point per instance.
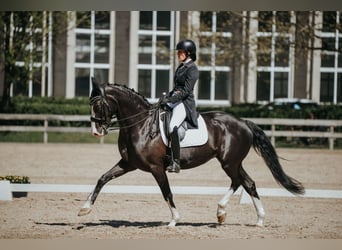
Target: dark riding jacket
(185, 78)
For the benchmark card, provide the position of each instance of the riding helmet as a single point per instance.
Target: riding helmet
(189, 46)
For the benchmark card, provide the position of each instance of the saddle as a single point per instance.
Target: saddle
(188, 137)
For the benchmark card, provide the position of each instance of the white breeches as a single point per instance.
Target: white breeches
(178, 115)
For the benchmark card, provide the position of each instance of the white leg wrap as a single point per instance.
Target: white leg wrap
(221, 208)
(175, 216)
(86, 208)
(260, 211)
(224, 201)
(87, 204)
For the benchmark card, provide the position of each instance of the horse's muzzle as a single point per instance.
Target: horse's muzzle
(97, 132)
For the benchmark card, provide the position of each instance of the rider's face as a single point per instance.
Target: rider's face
(181, 55)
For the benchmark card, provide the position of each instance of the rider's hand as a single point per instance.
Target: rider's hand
(164, 100)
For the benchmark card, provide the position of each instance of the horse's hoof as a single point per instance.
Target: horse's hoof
(260, 222)
(172, 223)
(84, 211)
(221, 218)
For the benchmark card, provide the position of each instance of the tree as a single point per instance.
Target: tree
(303, 25)
(21, 46)
(265, 39)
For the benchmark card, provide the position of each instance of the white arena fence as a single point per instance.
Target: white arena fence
(328, 132)
(6, 189)
(327, 127)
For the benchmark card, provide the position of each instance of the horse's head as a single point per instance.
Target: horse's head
(102, 112)
(115, 101)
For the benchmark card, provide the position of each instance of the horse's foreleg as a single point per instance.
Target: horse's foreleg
(86, 208)
(174, 213)
(119, 169)
(163, 182)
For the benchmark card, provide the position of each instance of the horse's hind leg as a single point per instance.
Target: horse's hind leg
(231, 170)
(249, 186)
(221, 207)
(119, 169)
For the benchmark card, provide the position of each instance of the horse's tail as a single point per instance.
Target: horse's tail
(263, 146)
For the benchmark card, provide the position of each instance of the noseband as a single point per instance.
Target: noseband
(102, 120)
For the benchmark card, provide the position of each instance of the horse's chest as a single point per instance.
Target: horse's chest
(137, 148)
(124, 153)
(129, 152)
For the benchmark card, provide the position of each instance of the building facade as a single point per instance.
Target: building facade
(243, 57)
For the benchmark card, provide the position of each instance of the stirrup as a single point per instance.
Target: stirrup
(173, 168)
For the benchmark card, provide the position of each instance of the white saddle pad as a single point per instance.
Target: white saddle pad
(193, 137)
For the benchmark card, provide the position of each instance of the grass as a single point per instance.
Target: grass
(55, 137)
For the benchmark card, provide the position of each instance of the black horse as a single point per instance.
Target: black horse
(141, 146)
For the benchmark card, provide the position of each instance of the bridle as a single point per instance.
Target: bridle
(107, 125)
(105, 108)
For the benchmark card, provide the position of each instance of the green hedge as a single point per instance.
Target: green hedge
(50, 105)
(80, 106)
(331, 112)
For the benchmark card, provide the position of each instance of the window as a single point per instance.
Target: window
(213, 63)
(327, 87)
(263, 86)
(155, 59)
(280, 84)
(331, 58)
(92, 49)
(339, 88)
(274, 55)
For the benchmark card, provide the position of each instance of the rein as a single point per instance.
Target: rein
(107, 125)
(150, 111)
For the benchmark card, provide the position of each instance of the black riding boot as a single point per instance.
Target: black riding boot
(174, 167)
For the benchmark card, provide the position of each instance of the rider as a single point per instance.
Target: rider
(181, 99)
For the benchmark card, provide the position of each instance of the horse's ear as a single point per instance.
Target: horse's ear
(97, 88)
(95, 83)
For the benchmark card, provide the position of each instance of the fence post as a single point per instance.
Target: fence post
(331, 139)
(272, 136)
(46, 124)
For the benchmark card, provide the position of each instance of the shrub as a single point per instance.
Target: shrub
(80, 106)
(16, 179)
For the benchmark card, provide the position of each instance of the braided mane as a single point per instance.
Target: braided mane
(133, 95)
(130, 91)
